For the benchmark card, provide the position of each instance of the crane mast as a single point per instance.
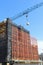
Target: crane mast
(27, 11)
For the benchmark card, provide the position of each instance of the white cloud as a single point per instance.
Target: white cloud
(40, 46)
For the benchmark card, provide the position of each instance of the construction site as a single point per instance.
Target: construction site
(16, 43)
(17, 46)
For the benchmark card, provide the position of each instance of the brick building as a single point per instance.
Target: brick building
(15, 43)
(21, 45)
(34, 44)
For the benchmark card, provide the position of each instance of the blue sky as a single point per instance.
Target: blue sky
(9, 8)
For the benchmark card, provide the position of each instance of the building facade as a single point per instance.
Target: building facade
(21, 45)
(16, 43)
(34, 47)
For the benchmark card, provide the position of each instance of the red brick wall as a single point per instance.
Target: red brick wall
(34, 49)
(15, 43)
(21, 45)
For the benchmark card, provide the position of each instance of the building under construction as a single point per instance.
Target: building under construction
(34, 48)
(15, 43)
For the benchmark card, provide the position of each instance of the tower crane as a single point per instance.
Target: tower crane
(27, 11)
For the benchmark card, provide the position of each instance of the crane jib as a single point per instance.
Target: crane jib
(27, 11)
